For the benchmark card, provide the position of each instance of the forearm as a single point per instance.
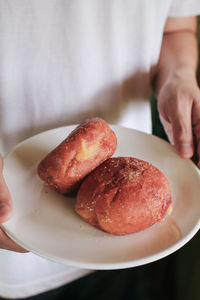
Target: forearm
(178, 58)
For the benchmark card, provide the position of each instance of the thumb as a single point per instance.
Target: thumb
(182, 134)
(5, 198)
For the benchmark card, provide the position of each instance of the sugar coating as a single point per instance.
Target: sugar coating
(86, 147)
(124, 195)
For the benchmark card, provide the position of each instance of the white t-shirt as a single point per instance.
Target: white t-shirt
(61, 62)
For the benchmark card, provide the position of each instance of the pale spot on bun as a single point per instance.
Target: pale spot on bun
(87, 151)
(169, 210)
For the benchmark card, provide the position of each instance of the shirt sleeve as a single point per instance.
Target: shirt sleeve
(184, 8)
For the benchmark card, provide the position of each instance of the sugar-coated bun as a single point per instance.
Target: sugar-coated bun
(83, 150)
(124, 195)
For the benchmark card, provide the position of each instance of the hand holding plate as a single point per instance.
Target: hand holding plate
(6, 211)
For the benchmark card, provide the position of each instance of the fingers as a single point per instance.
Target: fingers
(8, 244)
(168, 129)
(5, 214)
(6, 209)
(175, 103)
(183, 137)
(181, 122)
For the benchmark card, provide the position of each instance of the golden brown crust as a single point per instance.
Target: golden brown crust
(124, 195)
(83, 150)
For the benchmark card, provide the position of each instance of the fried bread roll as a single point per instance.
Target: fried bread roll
(124, 195)
(83, 150)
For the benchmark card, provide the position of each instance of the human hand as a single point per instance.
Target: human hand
(179, 110)
(5, 214)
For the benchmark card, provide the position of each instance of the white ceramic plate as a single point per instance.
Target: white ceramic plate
(45, 222)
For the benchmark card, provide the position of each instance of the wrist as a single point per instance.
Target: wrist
(177, 76)
(183, 73)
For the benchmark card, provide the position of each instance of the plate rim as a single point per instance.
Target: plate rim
(98, 265)
(116, 265)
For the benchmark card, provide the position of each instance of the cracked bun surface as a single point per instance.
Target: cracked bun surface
(87, 146)
(124, 195)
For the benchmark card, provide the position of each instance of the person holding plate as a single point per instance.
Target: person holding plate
(64, 61)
